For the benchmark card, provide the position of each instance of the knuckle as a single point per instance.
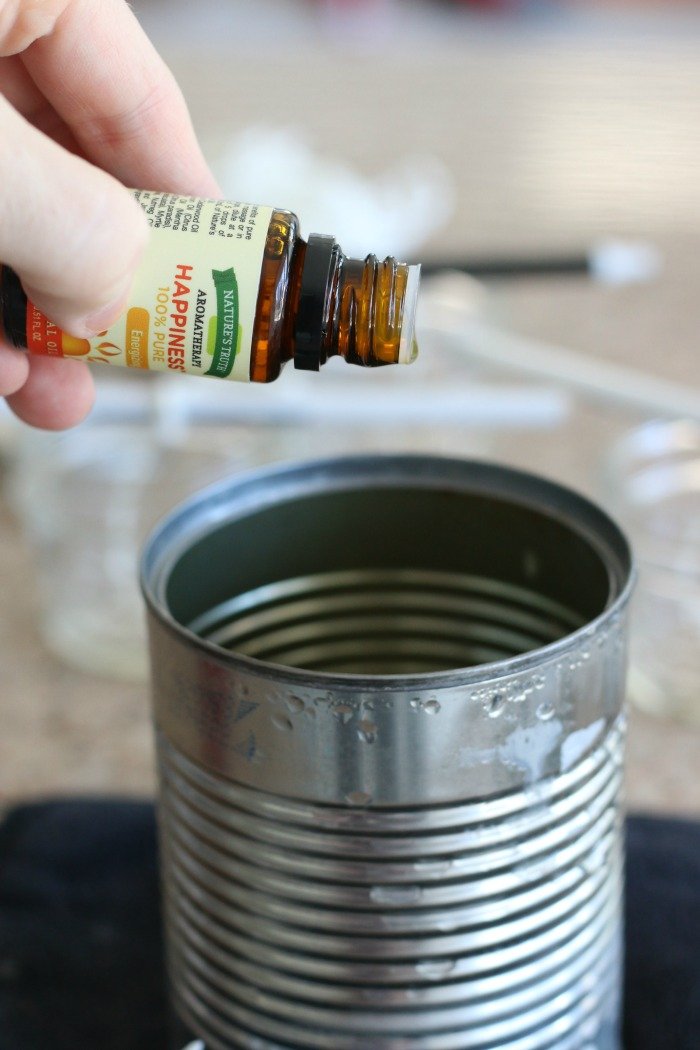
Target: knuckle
(22, 22)
(119, 128)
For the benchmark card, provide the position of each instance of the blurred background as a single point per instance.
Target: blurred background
(543, 160)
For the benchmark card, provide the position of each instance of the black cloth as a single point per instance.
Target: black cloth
(81, 950)
(81, 954)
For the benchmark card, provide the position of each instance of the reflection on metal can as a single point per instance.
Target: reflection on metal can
(388, 703)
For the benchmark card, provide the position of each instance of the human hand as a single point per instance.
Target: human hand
(87, 107)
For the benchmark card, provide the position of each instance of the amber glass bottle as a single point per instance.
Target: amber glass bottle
(233, 290)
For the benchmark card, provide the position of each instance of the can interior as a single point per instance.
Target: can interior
(387, 580)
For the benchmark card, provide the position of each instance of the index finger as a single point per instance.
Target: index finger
(106, 80)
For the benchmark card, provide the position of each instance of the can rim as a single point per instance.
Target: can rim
(235, 498)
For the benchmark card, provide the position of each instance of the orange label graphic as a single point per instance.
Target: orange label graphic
(137, 322)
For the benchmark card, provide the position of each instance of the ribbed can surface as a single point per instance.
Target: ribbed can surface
(388, 711)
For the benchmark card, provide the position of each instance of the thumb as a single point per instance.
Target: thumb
(73, 234)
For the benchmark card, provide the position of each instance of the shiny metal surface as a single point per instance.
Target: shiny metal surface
(388, 707)
(379, 622)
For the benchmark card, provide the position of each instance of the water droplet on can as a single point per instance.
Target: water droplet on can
(432, 866)
(358, 798)
(435, 968)
(343, 712)
(367, 731)
(401, 896)
(281, 721)
(496, 704)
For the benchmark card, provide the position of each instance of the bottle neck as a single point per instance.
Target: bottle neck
(374, 312)
(362, 310)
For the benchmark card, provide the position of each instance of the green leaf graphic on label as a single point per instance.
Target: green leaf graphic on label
(227, 331)
(211, 335)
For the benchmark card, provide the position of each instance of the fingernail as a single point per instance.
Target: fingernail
(105, 317)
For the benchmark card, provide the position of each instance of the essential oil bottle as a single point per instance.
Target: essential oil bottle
(232, 290)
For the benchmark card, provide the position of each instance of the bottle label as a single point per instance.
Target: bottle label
(192, 305)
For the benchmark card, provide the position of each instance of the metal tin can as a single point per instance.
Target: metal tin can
(388, 704)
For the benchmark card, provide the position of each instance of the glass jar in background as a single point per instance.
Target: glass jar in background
(652, 480)
(88, 497)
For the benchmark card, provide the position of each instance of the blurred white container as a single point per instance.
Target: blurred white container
(653, 485)
(88, 497)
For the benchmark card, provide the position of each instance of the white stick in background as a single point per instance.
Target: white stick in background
(425, 404)
(450, 311)
(171, 409)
